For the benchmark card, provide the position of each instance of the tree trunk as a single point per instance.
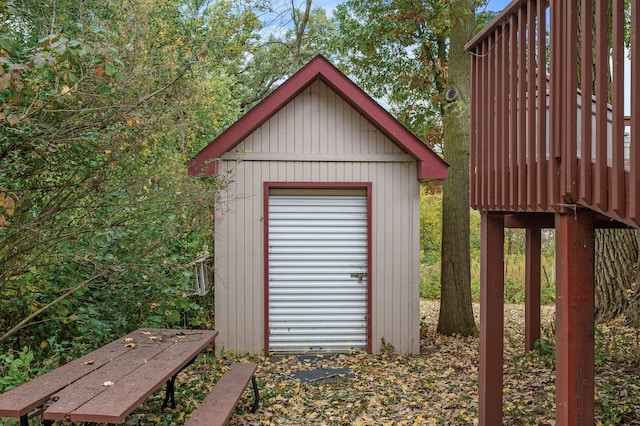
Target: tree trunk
(456, 311)
(300, 21)
(616, 290)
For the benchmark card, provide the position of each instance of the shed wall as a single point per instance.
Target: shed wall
(318, 138)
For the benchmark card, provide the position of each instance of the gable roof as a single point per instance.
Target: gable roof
(430, 165)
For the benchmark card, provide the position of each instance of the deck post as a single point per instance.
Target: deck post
(575, 318)
(532, 288)
(491, 318)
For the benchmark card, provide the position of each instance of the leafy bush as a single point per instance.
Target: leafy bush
(515, 244)
(98, 217)
(15, 369)
(514, 291)
(429, 281)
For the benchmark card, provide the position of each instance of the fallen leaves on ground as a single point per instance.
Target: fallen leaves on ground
(437, 387)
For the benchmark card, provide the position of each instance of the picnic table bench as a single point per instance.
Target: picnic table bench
(218, 406)
(109, 383)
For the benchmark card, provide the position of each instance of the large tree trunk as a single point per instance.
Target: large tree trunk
(456, 313)
(616, 293)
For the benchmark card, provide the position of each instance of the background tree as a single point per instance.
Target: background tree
(103, 102)
(407, 53)
(293, 38)
(397, 52)
(456, 313)
(617, 275)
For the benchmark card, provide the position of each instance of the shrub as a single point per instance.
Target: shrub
(15, 369)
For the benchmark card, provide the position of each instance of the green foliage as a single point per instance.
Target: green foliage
(431, 243)
(397, 52)
(15, 369)
(430, 225)
(513, 291)
(103, 103)
(282, 53)
(545, 347)
(515, 247)
(611, 346)
(430, 281)
(616, 400)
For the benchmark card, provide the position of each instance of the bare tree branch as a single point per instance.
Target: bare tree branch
(26, 321)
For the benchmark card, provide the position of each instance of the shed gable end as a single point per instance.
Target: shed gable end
(317, 125)
(430, 166)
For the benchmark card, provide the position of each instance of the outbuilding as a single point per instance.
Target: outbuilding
(317, 238)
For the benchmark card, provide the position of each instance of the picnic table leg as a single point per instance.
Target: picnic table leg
(24, 421)
(256, 394)
(170, 394)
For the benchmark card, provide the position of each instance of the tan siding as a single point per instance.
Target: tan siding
(303, 127)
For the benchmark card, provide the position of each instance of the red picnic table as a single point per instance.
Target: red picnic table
(109, 383)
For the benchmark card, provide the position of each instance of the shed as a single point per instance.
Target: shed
(317, 239)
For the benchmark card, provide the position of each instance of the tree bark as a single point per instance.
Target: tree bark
(616, 292)
(456, 311)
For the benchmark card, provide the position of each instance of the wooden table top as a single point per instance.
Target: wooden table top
(110, 382)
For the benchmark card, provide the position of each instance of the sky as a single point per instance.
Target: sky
(283, 20)
(493, 5)
(497, 5)
(279, 20)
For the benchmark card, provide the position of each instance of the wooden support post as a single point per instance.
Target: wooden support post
(532, 288)
(491, 318)
(574, 318)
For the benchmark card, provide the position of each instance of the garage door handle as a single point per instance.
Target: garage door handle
(360, 276)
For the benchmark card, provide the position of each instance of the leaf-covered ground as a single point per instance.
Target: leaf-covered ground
(438, 386)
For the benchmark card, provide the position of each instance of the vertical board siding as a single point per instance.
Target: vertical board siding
(239, 280)
(318, 121)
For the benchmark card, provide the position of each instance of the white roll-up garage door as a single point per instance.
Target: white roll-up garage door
(317, 273)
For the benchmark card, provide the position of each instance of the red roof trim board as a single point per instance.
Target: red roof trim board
(430, 165)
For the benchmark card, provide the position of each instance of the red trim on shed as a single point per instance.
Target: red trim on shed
(430, 165)
(315, 185)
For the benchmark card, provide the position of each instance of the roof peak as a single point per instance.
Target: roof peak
(430, 165)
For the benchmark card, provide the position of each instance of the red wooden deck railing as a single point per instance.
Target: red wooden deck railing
(548, 119)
